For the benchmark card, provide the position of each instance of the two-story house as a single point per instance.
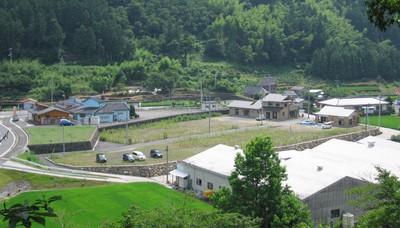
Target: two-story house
(279, 107)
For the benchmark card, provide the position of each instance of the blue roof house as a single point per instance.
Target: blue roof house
(92, 102)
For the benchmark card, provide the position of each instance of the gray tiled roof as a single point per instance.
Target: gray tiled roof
(111, 107)
(254, 90)
(274, 97)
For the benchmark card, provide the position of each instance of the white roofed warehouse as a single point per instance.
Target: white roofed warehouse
(321, 176)
(338, 116)
(360, 104)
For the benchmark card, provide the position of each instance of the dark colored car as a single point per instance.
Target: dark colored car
(128, 157)
(101, 158)
(154, 153)
(65, 122)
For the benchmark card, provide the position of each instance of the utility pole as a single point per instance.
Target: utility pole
(51, 90)
(126, 133)
(209, 114)
(63, 137)
(379, 119)
(367, 120)
(201, 92)
(308, 105)
(10, 54)
(166, 153)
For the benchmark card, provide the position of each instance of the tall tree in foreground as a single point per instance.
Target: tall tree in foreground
(257, 189)
(384, 13)
(382, 201)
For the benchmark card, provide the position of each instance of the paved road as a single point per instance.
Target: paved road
(8, 139)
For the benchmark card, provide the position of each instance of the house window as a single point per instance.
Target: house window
(270, 104)
(340, 122)
(198, 181)
(285, 105)
(350, 121)
(335, 213)
(210, 186)
(283, 113)
(274, 115)
(277, 104)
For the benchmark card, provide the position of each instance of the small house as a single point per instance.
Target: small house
(338, 116)
(49, 115)
(92, 102)
(362, 104)
(29, 104)
(279, 107)
(113, 112)
(251, 109)
(269, 84)
(255, 92)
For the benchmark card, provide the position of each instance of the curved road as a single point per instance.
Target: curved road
(17, 142)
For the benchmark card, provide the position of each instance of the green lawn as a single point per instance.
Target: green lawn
(42, 181)
(93, 206)
(53, 134)
(392, 121)
(173, 128)
(184, 148)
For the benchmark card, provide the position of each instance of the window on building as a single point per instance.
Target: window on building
(210, 186)
(283, 113)
(270, 104)
(274, 115)
(285, 105)
(340, 122)
(335, 213)
(198, 181)
(277, 105)
(350, 121)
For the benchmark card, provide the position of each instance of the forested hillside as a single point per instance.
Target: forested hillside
(154, 40)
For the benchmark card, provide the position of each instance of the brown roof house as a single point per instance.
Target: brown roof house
(49, 115)
(279, 107)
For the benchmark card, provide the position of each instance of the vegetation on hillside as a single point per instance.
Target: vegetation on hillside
(157, 43)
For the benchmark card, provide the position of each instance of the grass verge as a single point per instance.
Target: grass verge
(53, 134)
(93, 206)
(390, 121)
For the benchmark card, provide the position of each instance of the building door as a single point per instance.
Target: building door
(268, 115)
(274, 115)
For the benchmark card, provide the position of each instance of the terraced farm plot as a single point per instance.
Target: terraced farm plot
(53, 134)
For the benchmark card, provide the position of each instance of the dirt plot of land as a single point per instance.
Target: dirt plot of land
(170, 129)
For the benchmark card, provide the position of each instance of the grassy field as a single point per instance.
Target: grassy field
(53, 134)
(172, 129)
(392, 121)
(41, 181)
(93, 206)
(182, 149)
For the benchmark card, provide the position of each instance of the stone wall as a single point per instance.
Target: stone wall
(132, 170)
(70, 146)
(348, 137)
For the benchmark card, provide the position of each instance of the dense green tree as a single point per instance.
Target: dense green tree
(257, 189)
(384, 13)
(381, 200)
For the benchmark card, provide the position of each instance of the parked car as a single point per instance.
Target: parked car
(128, 157)
(65, 122)
(155, 153)
(101, 158)
(138, 155)
(15, 118)
(259, 118)
(326, 125)
(308, 123)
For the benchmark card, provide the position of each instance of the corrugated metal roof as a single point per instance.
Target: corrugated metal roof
(335, 111)
(256, 105)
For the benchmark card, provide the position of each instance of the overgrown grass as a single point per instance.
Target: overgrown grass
(182, 149)
(42, 181)
(390, 121)
(53, 134)
(93, 206)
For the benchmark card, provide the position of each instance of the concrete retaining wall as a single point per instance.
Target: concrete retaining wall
(132, 170)
(348, 137)
(71, 146)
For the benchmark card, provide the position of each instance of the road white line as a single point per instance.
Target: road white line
(23, 131)
(14, 140)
